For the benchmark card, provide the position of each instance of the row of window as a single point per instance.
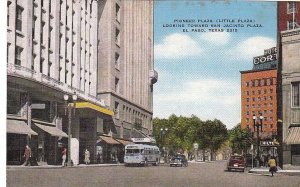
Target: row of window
(264, 113)
(128, 115)
(260, 82)
(265, 126)
(265, 98)
(259, 92)
(265, 119)
(259, 105)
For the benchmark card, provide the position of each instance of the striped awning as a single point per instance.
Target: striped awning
(18, 127)
(293, 136)
(109, 140)
(54, 131)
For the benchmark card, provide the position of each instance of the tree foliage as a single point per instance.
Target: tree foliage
(184, 131)
(240, 139)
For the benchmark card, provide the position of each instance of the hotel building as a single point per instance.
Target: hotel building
(100, 51)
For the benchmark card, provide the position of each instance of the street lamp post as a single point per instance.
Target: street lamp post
(163, 132)
(257, 134)
(69, 107)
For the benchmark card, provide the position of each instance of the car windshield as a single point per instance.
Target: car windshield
(236, 158)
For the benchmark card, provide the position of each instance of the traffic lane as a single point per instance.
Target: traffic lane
(196, 174)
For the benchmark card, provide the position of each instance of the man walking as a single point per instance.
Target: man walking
(27, 155)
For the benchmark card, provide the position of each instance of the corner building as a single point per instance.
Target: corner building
(55, 47)
(289, 55)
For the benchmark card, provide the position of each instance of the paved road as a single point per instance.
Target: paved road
(196, 174)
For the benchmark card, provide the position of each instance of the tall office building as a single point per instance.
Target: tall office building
(69, 47)
(126, 73)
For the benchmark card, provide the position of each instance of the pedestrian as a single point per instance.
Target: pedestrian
(27, 155)
(273, 165)
(86, 156)
(64, 156)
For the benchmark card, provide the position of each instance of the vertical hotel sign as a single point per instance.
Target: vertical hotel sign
(266, 61)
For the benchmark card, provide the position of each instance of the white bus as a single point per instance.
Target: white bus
(141, 154)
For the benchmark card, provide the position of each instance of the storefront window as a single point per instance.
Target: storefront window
(13, 102)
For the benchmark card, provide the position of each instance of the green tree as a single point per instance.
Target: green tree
(240, 139)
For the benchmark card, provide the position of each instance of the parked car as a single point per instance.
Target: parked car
(236, 162)
(179, 160)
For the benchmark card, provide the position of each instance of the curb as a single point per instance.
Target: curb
(59, 167)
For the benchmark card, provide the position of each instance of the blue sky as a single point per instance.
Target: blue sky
(199, 72)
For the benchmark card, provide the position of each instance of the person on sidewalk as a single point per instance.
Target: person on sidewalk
(27, 155)
(273, 165)
(64, 156)
(86, 156)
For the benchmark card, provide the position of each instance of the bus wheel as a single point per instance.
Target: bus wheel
(146, 163)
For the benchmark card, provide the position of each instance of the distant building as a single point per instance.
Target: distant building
(258, 97)
(289, 69)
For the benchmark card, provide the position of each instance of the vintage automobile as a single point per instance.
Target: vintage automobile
(236, 162)
(179, 160)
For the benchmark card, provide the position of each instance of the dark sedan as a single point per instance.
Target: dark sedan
(236, 162)
(179, 160)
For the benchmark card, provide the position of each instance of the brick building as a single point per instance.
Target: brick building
(258, 92)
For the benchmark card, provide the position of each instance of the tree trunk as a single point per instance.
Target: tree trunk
(203, 152)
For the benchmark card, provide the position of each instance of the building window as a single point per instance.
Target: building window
(117, 109)
(18, 55)
(259, 91)
(271, 118)
(253, 99)
(265, 98)
(265, 112)
(295, 94)
(291, 7)
(247, 106)
(41, 65)
(258, 106)
(247, 84)
(292, 24)
(117, 60)
(258, 99)
(117, 85)
(253, 105)
(247, 120)
(118, 13)
(271, 90)
(8, 4)
(271, 81)
(19, 18)
(271, 111)
(265, 118)
(265, 105)
(258, 82)
(271, 98)
(271, 104)
(247, 113)
(117, 36)
(253, 83)
(265, 82)
(265, 91)
(247, 99)
(253, 92)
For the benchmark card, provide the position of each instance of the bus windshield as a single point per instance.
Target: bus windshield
(129, 151)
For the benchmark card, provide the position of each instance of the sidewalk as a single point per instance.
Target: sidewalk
(59, 166)
(287, 170)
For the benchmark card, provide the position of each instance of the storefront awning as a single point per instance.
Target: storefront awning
(97, 108)
(293, 136)
(18, 127)
(109, 140)
(124, 142)
(54, 131)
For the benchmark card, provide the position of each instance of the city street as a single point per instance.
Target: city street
(196, 174)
